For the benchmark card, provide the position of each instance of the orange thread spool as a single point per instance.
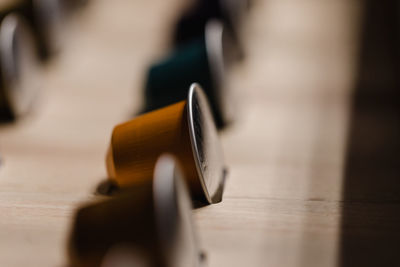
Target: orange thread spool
(136, 145)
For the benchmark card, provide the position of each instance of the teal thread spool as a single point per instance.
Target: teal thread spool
(202, 61)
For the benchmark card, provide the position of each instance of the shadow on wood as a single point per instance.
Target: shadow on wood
(370, 225)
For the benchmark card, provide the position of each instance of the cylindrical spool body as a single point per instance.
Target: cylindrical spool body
(203, 61)
(128, 218)
(150, 222)
(168, 79)
(185, 129)
(191, 24)
(136, 144)
(46, 17)
(19, 67)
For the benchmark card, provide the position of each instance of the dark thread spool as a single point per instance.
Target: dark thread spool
(45, 18)
(19, 68)
(152, 221)
(191, 24)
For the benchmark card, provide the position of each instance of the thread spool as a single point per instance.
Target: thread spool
(203, 61)
(185, 129)
(74, 5)
(191, 24)
(46, 17)
(19, 68)
(150, 224)
(49, 21)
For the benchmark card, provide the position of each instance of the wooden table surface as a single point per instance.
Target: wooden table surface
(286, 152)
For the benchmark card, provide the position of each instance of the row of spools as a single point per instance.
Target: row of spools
(169, 157)
(163, 161)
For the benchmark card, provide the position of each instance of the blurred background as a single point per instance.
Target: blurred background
(313, 153)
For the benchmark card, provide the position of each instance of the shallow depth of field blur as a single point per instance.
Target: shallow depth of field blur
(313, 151)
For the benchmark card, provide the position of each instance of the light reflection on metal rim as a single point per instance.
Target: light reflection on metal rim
(19, 64)
(217, 44)
(173, 215)
(207, 150)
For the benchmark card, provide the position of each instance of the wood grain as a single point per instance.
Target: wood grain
(286, 152)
